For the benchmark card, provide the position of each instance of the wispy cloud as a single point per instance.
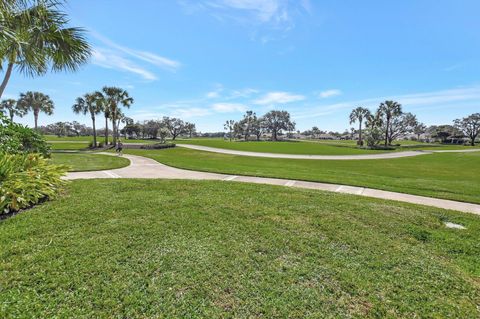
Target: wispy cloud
(278, 98)
(229, 107)
(110, 60)
(435, 100)
(329, 93)
(274, 13)
(115, 56)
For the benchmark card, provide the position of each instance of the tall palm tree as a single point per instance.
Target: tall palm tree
(101, 101)
(115, 98)
(11, 107)
(89, 104)
(358, 115)
(34, 38)
(389, 110)
(36, 102)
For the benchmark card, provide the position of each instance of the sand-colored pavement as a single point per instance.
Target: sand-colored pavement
(142, 167)
(321, 157)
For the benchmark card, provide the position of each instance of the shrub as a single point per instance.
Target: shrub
(157, 146)
(26, 180)
(16, 138)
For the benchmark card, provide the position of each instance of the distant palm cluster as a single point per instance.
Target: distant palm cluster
(389, 123)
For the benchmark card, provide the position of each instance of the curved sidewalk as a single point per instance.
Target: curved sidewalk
(313, 157)
(142, 167)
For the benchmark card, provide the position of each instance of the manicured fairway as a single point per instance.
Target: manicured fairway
(453, 176)
(310, 147)
(282, 147)
(69, 146)
(89, 162)
(153, 248)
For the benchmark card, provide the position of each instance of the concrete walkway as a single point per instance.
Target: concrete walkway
(321, 157)
(142, 167)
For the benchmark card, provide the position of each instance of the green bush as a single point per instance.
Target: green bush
(26, 180)
(16, 138)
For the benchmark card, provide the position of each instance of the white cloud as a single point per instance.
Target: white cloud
(228, 107)
(212, 94)
(146, 56)
(243, 93)
(110, 60)
(329, 93)
(276, 13)
(278, 98)
(435, 100)
(187, 113)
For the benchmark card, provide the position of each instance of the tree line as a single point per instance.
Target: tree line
(389, 123)
(273, 123)
(166, 127)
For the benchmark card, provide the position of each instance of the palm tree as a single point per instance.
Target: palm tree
(101, 101)
(114, 99)
(35, 38)
(358, 115)
(11, 107)
(89, 104)
(36, 102)
(389, 110)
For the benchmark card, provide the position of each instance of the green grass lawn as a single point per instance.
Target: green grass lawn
(309, 147)
(68, 146)
(453, 176)
(281, 147)
(154, 248)
(79, 162)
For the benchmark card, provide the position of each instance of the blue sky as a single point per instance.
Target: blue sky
(208, 61)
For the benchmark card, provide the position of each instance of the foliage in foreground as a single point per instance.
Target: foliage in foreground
(26, 180)
(203, 249)
(16, 138)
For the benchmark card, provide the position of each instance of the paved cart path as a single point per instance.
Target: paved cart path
(142, 167)
(322, 157)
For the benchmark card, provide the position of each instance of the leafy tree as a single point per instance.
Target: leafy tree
(190, 129)
(389, 110)
(401, 125)
(36, 102)
(245, 125)
(276, 121)
(174, 125)
(443, 132)
(359, 114)
(35, 38)
(89, 103)
(315, 132)
(11, 107)
(257, 127)
(113, 99)
(229, 126)
(419, 129)
(470, 126)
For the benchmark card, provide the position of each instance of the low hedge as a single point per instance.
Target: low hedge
(157, 146)
(26, 180)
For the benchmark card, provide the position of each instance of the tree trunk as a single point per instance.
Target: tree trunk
(274, 135)
(94, 133)
(360, 141)
(11, 116)
(6, 78)
(35, 117)
(106, 131)
(114, 135)
(386, 132)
